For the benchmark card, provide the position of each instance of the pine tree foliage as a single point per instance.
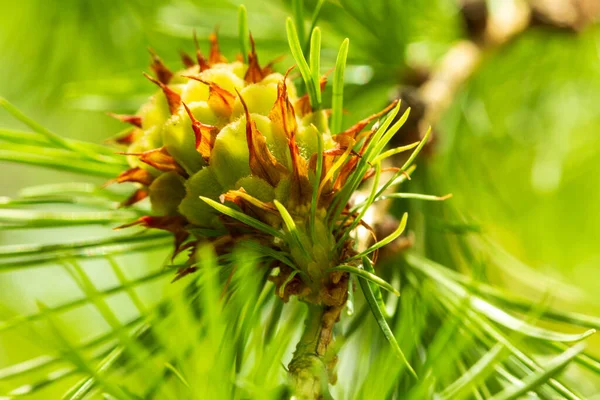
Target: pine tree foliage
(123, 331)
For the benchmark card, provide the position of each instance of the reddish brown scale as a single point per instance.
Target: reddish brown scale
(336, 152)
(202, 61)
(188, 245)
(163, 74)
(134, 120)
(136, 197)
(266, 212)
(186, 60)
(345, 142)
(165, 223)
(173, 98)
(302, 106)
(301, 189)
(127, 138)
(215, 56)
(174, 224)
(359, 126)
(220, 100)
(182, 272)
(351, 134)
(160, 159)
(348, 138)
(323, 82)
(262, 163)
(205, 135)
(136, 175)
(254, 73)
(283, 114)
(232, 197)
(345, 172)
(243, 199)
(371, 172)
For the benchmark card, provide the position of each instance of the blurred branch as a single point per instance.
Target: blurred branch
(430, 91)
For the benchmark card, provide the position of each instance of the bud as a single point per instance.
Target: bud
(228, 152)
(238, 134)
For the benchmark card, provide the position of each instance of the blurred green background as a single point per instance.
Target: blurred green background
(518, 146)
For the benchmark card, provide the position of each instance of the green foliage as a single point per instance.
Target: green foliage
(305, 70)
(216, 333)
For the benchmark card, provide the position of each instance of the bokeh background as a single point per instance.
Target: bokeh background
(517, 140)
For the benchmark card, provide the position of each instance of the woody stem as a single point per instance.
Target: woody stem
(310, 368)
